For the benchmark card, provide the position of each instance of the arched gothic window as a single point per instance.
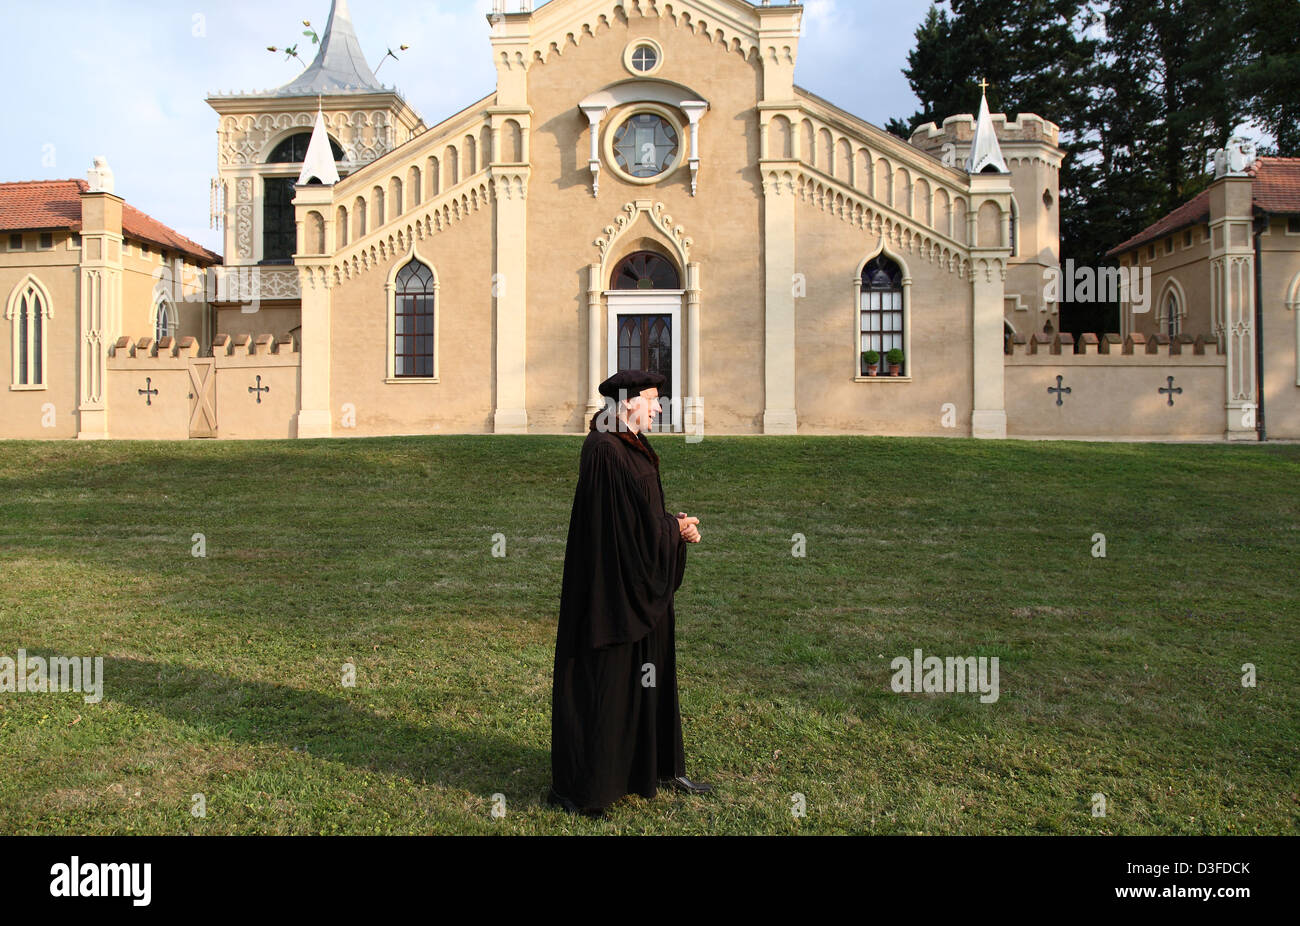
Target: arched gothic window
(1173, 322)
(164, 325)
(293, 150)
(646, 270)
(28, 313)
(881, 310)
(413, 321)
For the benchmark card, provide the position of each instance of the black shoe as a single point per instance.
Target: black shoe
(685, 784)
(556, 800)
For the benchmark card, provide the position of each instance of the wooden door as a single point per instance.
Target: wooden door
(645, 342)
(203, 397)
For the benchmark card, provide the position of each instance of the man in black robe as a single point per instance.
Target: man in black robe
(616, 728)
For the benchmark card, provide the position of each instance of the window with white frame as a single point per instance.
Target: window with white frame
(413, 321)
(881, 311)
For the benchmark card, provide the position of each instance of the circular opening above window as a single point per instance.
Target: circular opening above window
(643, 57)
(646, 146)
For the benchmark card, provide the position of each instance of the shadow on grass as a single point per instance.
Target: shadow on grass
(324, 726)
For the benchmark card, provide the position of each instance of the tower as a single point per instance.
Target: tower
(263, 138)
(1026, 147)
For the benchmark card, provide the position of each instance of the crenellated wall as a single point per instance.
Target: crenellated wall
(163, 390)
(1116, 388)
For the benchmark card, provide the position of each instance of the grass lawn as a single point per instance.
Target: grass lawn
(1119, 676)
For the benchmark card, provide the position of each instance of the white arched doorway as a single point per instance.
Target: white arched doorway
(647, 311)
(644, 325)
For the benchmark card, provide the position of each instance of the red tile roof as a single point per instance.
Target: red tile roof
(1277, 184)
(51, 204)
(1276, 189)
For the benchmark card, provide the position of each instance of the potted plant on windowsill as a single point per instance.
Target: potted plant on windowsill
(871, 359)
(895, 360)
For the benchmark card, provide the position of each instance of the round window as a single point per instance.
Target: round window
(645, 145)
(644, 59)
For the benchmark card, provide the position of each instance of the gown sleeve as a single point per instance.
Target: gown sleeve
(635, 552)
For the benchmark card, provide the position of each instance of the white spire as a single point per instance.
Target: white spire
(985, 151)
(319, 162)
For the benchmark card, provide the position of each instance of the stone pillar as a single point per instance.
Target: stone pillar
(1232, 297)
(693, 420)
(595, 314)
(779, 414)
(99, 315)
(510, 292)
(988, 302)
(511, 37)
(316, 413)
(988, 289)
(511, 33)
(315, 416)
(778, 43)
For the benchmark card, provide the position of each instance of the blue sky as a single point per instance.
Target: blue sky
(128, 79)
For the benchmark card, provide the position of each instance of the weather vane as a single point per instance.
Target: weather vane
(291, 51)
(390, 54)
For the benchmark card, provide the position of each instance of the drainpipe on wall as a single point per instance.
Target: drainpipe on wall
(1261, 223)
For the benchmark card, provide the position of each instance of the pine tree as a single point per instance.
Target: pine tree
(1143, 90)
(1032, 53)
(1270, 79)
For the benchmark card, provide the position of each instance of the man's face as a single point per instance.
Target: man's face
(642, 409)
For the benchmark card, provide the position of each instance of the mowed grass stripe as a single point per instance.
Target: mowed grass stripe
(1119, 676)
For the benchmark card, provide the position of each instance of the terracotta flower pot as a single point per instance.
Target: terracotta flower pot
(873, 369)
(895, 369)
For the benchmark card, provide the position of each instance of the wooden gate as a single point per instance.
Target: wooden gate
(203, 397)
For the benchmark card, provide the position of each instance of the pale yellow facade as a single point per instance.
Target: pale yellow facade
(770, 208)
(1230, 274)
(86, 286)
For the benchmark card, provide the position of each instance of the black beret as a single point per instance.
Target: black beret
(631, 382)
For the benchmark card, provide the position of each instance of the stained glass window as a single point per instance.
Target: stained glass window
(645, 145)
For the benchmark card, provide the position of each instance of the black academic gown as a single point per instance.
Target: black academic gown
(611, 733)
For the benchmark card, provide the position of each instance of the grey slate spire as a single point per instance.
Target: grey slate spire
(339, 66)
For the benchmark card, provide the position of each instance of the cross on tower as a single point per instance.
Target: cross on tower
(1171, 391)
(984, 85)
(148, 391)
(1060, 390)
(259, 390)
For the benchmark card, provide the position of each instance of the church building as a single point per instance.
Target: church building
(646, 187)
